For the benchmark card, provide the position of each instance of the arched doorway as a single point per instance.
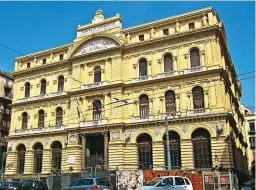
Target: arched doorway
(144, 143)
(174, 141)
(201, 140)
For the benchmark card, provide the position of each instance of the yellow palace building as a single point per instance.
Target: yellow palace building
(101, 100)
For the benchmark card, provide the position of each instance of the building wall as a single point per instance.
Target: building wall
(120, 81)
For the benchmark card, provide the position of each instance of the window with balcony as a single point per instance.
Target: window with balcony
(97, 109)
(44, 61)
(168, 63)
(198, 97)
(59, 117)
(38, 157)
(27, 90)
(145, 156)
(24, 120)
(144, 107)
(41, 119)
(60, 84)
(201, 140)
(61, 57)
(191, 26)
(21, 159)
(194, 58)
(43, 87)
(166, 32)
(141, 37)
(170, 103)
(252, 126)
(143, 67)
(97, 74)
(56, 156)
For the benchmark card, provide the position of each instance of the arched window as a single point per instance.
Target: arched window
(27, 90)
(170, 102)
(143, 68)
(144, 143)
(194, 58)
(168, 63)
(41, 119)
(97, 110)
(38, 157)
(201, 140)
(43, 87)
(61, 84)
(198, 97)
(21, 158)
(174, 141)
(97, 74)
(144, 107)
(24, 120)
(59, 117)
(56, 156)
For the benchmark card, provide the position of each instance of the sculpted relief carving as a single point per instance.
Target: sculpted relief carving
(96, 45)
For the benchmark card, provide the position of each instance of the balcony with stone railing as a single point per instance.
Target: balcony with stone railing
(198, 112)
(142, 118)
(39, 97)
(93, 123)
(3, 141)
(195, 69)
(167, 74)
(94, 85)
(141, 78)
(170, 115)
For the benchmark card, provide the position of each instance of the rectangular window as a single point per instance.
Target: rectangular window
(252, 126)
(44, 61)
(28, 65)
(141, 37)
(252, 141)
(166, 32)
(191, 26)
(61, 57)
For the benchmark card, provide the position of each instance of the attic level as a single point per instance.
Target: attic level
(99, 24)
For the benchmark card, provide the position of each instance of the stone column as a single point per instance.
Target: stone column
(106, 150)
(83, 156)
(86, 74)
(29, 162)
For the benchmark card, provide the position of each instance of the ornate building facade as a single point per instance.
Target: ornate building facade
(6, 91)
(101, 99)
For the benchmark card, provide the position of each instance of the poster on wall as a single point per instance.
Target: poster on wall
(129, 179)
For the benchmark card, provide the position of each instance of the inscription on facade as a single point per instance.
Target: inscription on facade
(96, 45)
(98, 28)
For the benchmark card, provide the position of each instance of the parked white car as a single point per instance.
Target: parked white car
(168, 183)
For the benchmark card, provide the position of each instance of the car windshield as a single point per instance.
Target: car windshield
(153, 182)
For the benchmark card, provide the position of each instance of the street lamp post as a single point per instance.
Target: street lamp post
(2, 164)
(168, 152)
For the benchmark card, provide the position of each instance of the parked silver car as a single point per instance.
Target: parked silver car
(168, 183)
(97, 183)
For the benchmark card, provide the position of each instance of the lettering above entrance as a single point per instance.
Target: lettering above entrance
(96, 45)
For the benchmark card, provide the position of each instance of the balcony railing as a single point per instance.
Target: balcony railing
(3, 141)
(195, 69)
(93, 123)
(142, 78)
(6, 111)
(167, 74)
(38, 97)
(169, 115)
(142, 118)
(94, 85)
(196, 112)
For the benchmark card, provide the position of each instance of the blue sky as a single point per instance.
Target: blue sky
(32, 26)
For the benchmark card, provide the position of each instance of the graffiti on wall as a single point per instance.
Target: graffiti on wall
(129, 179)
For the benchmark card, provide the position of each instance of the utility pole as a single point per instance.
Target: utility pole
(168, 152)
